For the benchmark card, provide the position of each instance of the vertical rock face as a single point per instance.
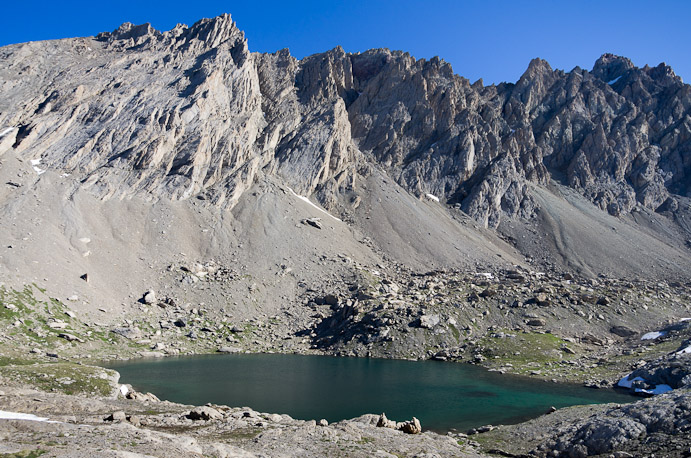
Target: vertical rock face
(170, 114)
(192, 112)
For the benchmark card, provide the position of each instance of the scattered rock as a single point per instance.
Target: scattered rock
(146, 397)
(542, 300)
(150, 297)
(70, 337)
(128, 333)
(314, 222)
(536, 322)
(57, 324)
(429, 321)
(204, 413)
(488, 292)
(622, 331)
(384, 422)
(117, 416)
(411, 427)
(151, 354)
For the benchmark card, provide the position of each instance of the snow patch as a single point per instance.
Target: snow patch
(124, 390)
(487, 275)
(312, 204)
(34, 164)
(614, 80)
(653, 335)
(659, 389)
(5, 415)
(432, 197)
(626, 383)
(6, 131)
(684, 351)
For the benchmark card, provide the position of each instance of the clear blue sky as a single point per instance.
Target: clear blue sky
(493, 40)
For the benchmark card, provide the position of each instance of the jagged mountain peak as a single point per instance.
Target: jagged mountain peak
(610, 67)
(538, 66)
(211, 32)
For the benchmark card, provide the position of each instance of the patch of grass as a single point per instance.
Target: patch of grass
(11, 360)
(67, 378)
(24, 454)
(534, 350)
(241, 434)
(456, 333)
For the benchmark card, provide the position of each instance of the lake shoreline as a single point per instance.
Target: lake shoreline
(309, 387)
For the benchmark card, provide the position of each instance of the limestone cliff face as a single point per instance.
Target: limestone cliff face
(191, 112)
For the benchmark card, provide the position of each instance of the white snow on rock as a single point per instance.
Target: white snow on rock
(614, 80)
(432, 197)
(626, 383)
(312, 204)
(34, 164)
(6, 131)
(5, 415)
(124, 390)
(659, 389)
(653, 335)
(684, 351)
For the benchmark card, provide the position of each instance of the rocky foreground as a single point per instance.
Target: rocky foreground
(42, 373)
(108, 422)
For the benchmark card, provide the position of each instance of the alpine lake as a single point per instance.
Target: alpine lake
(444, 396)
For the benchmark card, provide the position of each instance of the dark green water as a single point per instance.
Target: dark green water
(443, 396)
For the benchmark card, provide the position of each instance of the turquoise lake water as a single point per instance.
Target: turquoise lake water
(444, 396)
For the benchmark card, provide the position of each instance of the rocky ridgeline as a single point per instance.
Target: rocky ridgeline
(192, 113)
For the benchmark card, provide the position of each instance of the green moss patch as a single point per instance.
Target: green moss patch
(24, 454)
(66, 378)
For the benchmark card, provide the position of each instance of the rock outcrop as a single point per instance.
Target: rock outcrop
(191, 112)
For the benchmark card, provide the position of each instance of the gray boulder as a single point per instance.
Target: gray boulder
(429, 321)
(204, 413)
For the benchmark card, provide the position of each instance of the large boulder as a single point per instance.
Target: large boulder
(429, 321)
(150, 297)
(204, 413)
(622, 331)
(411, 427)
